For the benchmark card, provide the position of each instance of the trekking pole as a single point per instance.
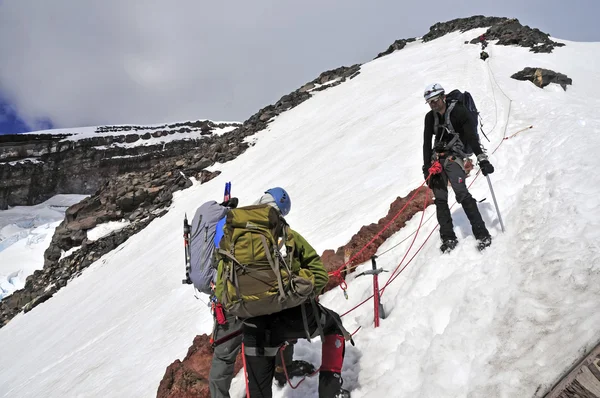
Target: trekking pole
(379, 312)
(495, 202)
(186, 243)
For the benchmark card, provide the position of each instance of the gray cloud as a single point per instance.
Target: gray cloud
(133, 61)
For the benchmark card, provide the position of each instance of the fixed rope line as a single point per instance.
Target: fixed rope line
(414, 239)
(339, 270)
(493, 94)
(520, 131)
(405, 239)
(417, 232)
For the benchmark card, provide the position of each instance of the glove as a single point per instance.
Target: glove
(486, 167)
(231, 203)
(425, 172)
(436, 181)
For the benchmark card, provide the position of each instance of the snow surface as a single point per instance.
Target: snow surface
(506, 322)
(102, 230)
(25, 233)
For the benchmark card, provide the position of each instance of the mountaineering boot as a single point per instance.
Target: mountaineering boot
(342, 394)
(330, 386)
(448, 245)
(296, 368)
(332, 358)
(484, 242)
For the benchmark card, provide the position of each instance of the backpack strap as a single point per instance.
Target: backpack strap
(305, 321)
(232, 274)
(455, 144)
(319, 321)
(274, 266)
(447, 126)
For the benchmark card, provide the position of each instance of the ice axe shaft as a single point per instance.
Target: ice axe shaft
(495, 202)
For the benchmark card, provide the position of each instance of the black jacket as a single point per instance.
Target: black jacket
(462, 125)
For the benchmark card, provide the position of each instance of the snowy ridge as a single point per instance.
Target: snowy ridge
(502, 323)
(25, 233)
(78, 133)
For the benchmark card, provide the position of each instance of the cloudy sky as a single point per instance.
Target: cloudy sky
(68, 63)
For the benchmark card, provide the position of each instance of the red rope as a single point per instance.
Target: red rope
(411, 243)
(286, 372)
(245, 370)
(408, 251)
(339, 270)
(356, 306)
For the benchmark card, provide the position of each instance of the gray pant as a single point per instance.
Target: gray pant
(453, 171)
(223, 361)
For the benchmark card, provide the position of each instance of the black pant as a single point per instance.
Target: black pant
(263, 335)
(453, 172)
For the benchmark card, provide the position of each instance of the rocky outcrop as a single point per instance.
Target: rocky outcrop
(189, 378)
(35, 167)
(507, 31)
(140, 195)
(461, 25)
(397, 45)
(542, 77)
(510, 32)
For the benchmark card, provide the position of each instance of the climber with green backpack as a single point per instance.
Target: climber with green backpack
(269, 276)
(202, 240)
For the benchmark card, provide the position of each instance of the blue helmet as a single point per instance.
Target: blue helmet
(282, 199)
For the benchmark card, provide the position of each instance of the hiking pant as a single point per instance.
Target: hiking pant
(263, 335)
(225, 354)
(452, 170)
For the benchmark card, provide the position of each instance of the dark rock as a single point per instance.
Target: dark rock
(542, 77)
(206, 175)
(511, 32)
(397, 45)
(82, 224)
(507, 31)
(126, 202)
(189, 378)
(462, 25)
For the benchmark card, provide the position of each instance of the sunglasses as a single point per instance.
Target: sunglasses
(434, 99)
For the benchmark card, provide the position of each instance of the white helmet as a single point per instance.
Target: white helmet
(433, 90)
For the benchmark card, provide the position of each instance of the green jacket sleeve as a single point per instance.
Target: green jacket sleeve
(309, 259)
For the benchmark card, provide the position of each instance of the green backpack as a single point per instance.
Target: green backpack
(253, 277)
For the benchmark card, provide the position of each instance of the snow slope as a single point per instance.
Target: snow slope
(502, 323)
(25, 233)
